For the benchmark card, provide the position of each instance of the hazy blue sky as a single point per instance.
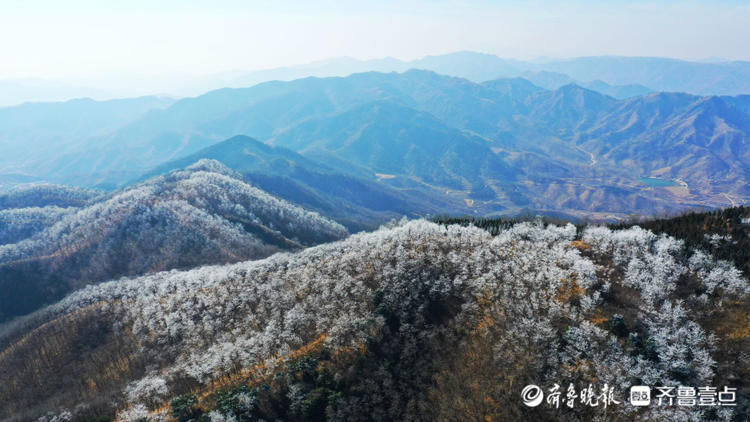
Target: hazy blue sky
(90, 38)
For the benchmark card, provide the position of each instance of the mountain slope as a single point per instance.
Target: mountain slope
(553, 81)
(519, 89)
(621, 92)
(354, 198)
(569, 109)
(405, 323)
(704, 141)
(245, 155)
(398, 141)
(660, 74)
(202, 215)
(263, 111)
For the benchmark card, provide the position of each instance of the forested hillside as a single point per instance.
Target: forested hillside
(205, 214)
(417, 321)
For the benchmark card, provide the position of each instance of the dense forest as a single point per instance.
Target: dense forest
(416, 321)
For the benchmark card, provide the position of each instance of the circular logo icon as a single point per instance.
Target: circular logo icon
(532, 395)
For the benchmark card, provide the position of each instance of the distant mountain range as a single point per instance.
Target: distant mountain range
(420, 142)
(35, 132)
(552, 81)
(18, 91)
(629, 75)
(620, 77)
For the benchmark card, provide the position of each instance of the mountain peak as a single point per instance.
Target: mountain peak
(213, 166)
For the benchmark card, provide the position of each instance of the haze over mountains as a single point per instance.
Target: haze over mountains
(35, 132)
(620, 77)
(654, 73)
(19, 91)
(496, 147)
